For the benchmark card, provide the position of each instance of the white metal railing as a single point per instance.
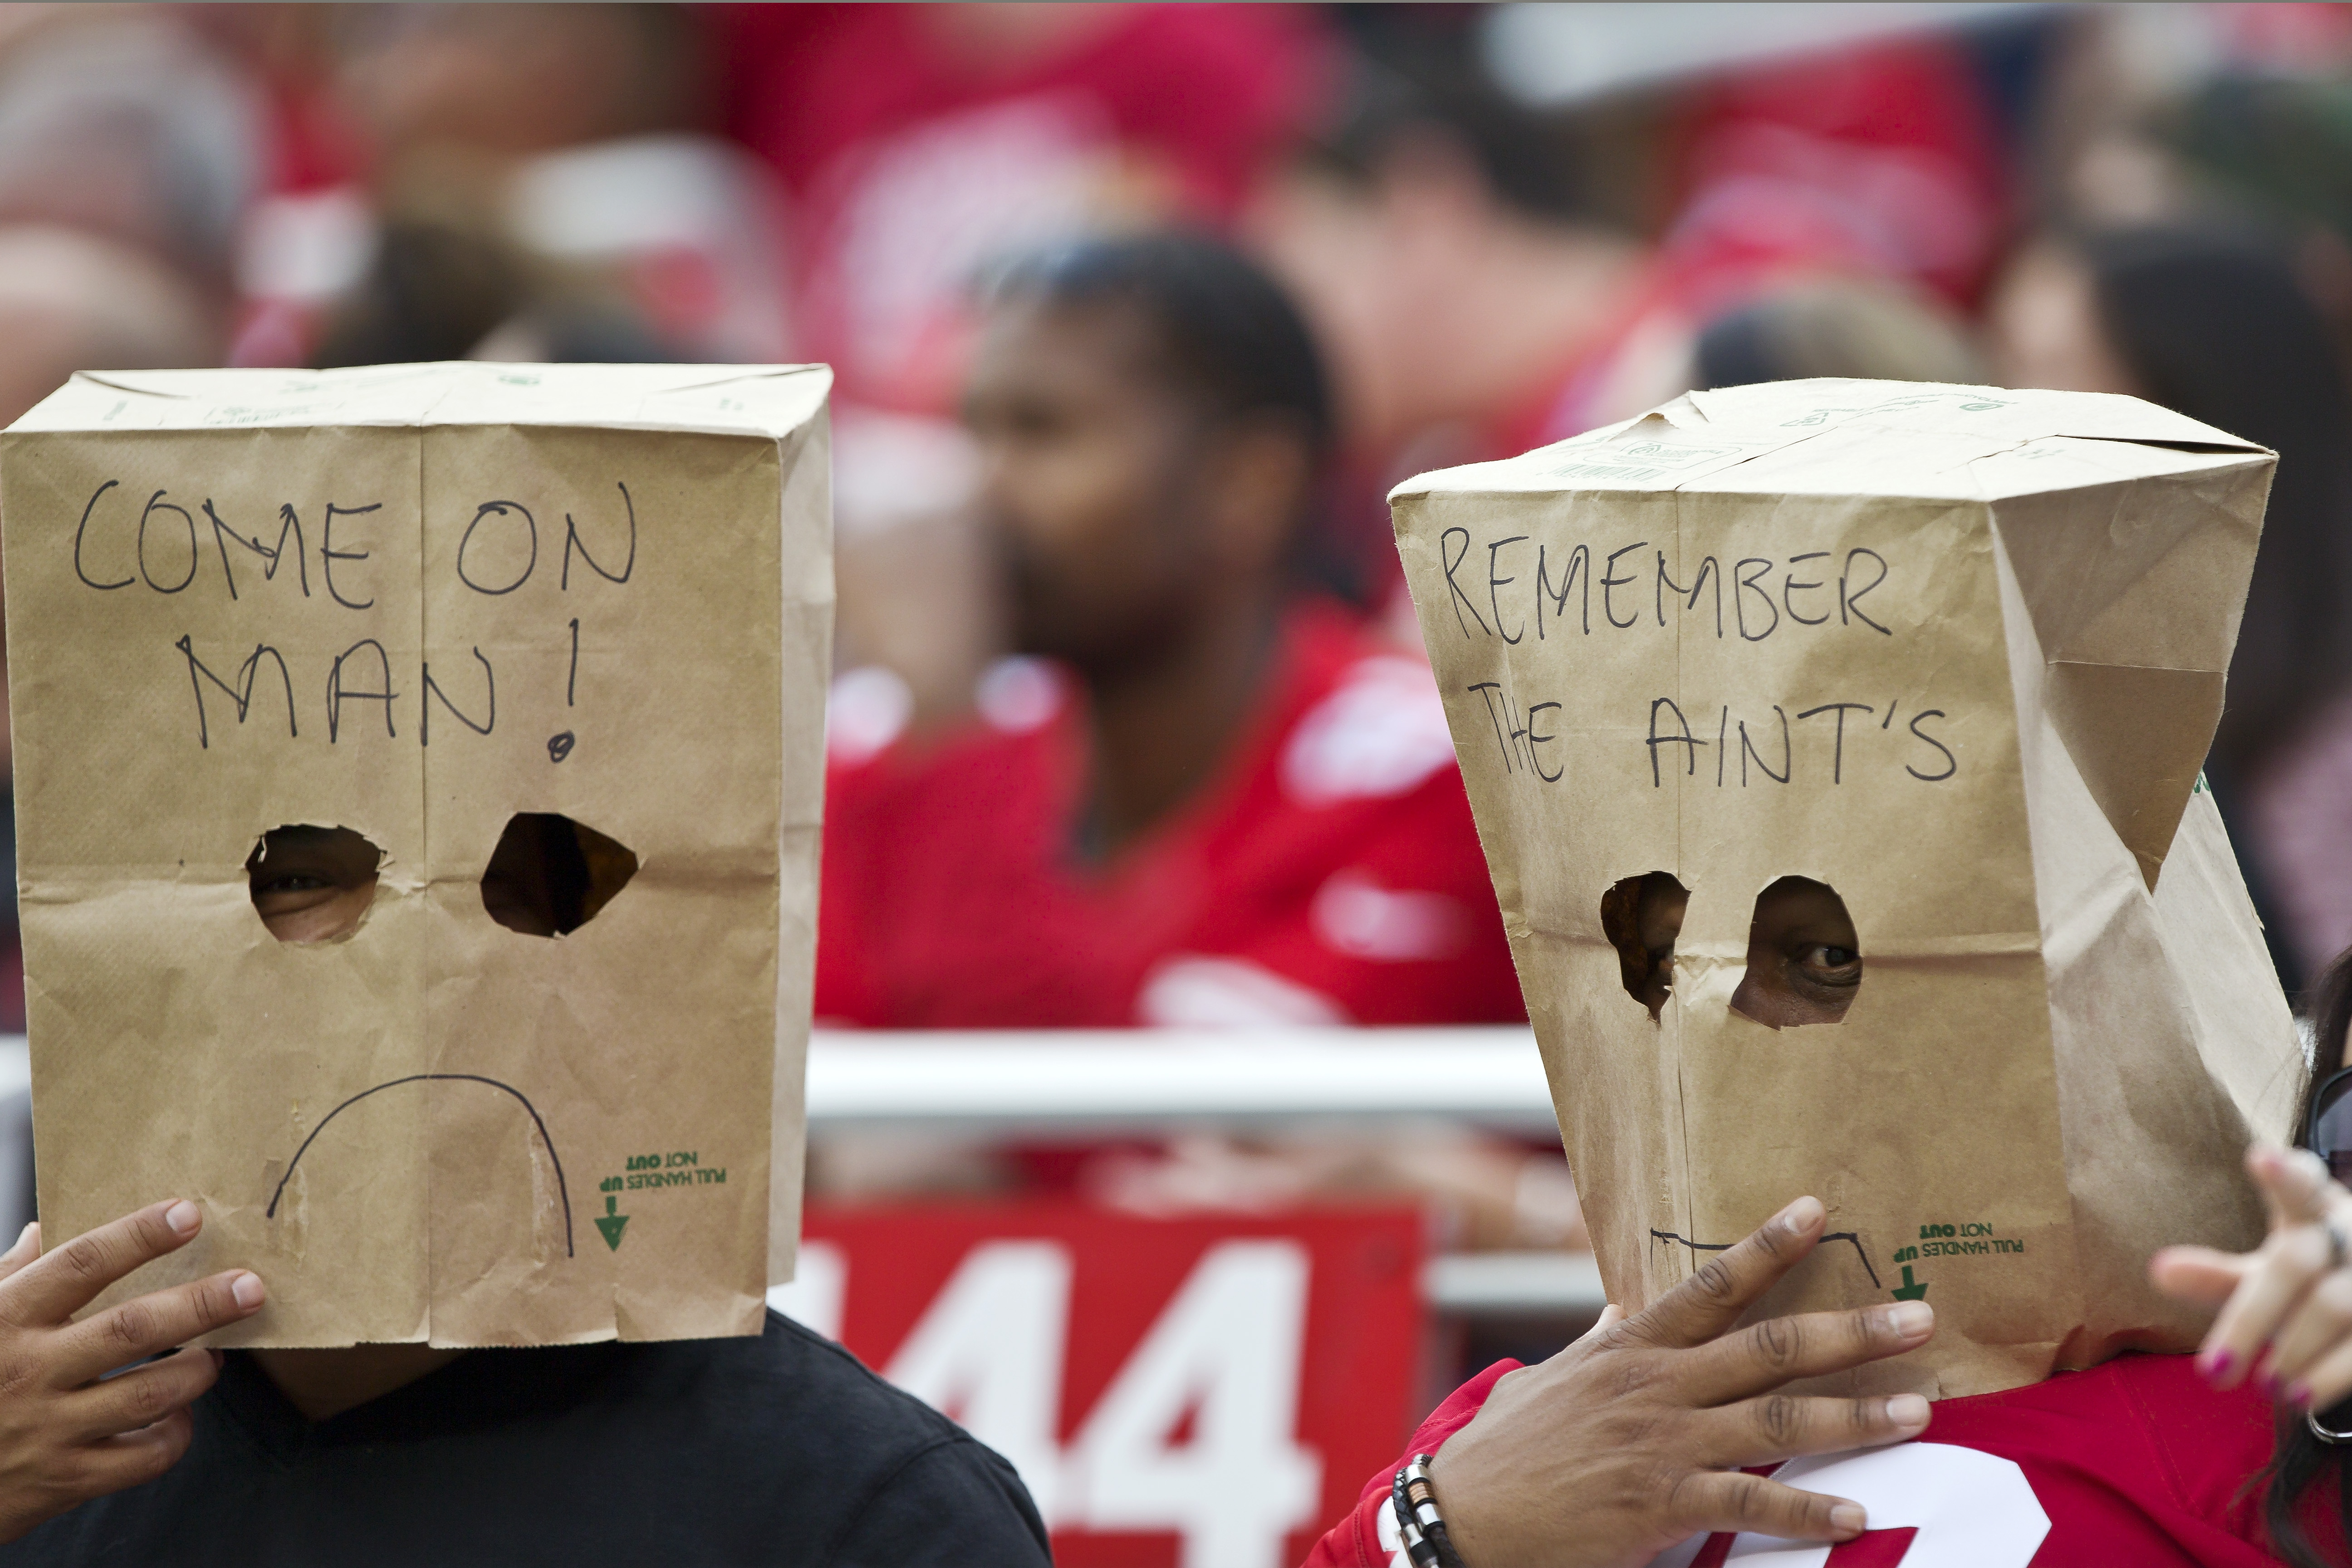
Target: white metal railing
(1084, 1081)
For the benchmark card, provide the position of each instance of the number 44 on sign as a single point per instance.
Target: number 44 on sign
(989, 1350)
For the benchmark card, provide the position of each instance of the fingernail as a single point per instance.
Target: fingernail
(1907, 1411)
(248, 1290)
(2217, 1364)
(1910, 1319)
(1849, 1520)
(183, 1217)
(2298, 1393)
(1801, 1215)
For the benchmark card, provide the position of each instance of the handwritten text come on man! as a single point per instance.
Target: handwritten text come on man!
(1753, 599)
(163, 548)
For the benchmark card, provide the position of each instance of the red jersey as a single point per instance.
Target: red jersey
(1328, 873)
(2134, 1462)
(916, 160)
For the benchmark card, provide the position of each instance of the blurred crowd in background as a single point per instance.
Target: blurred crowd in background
(1089, 760)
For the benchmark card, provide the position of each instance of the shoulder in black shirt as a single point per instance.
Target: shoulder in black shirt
(779, 1449)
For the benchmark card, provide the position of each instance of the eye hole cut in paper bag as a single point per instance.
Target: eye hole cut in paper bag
(446, 607)
(1952, 657)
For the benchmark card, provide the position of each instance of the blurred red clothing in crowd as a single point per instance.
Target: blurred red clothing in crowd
(920, 141)
(1877, 163)
(1328, 873)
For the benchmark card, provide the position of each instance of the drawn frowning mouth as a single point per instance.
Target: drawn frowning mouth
(1851, 1238)
(562, 1191)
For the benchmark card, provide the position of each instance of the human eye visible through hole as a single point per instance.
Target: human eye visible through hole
(1804, 961)
(550, 875)
(1642, 916)
(312, 884)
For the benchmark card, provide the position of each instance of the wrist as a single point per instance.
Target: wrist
(1425, 1528)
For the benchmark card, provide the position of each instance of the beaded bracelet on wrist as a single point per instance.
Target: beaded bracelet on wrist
(1419, 1528)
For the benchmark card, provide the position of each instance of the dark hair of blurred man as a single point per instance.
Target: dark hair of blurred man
(1234, 803)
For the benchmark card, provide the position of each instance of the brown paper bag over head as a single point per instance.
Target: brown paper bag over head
(525, 667)
(1835, 747)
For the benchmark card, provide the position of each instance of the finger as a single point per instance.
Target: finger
(2288, 1265)
(1611, 1316)
(1782, 1426)
(26, 1248)
(132, 1459)
(1712, 1298)
(2319, 1322)
(1711, 1501)
(140, 1397)
(66, 1279)
(2294, 1183)
(1764, 1355)
(2199, 1274)
(2325, 1383)
(153, 1324)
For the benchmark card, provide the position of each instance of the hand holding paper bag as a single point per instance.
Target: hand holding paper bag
(1636, 1436)
(65, 1436)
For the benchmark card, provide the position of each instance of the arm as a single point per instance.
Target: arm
(1636, 1436)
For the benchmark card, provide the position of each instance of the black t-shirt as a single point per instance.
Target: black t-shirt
(779, 1449)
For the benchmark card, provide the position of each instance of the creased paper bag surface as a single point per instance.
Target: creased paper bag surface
(417, 602)
(1955, 654)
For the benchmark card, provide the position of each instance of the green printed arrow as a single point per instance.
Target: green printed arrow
(1906, 1291)
(613, 1225)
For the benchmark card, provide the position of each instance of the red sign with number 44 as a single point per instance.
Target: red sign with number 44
(1195, 1392)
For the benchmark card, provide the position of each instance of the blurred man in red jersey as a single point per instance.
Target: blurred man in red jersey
(1226, 802)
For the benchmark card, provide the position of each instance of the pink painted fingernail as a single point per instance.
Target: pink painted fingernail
(248, 1290)
(2298, 1393)
(1849, 1520)
(2217, 1364)
(183, 1217)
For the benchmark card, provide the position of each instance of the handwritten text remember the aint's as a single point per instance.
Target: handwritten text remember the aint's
(1753, 599)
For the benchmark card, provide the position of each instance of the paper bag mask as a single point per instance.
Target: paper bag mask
(450, 608)
(1949, 657)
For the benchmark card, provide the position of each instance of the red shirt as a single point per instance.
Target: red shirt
(2133, 1463)
(915, 162)
(1329, 871)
